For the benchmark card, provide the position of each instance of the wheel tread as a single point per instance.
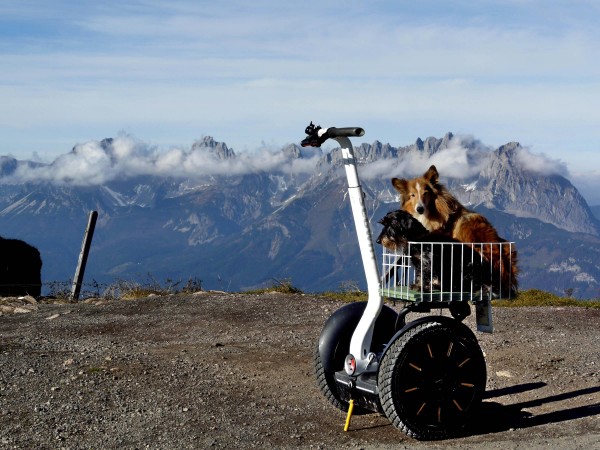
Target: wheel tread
(386, 377)
(324, 382)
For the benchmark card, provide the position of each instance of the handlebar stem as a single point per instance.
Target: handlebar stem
(360, 343)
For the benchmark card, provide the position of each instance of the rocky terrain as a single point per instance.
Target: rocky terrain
(215, 370)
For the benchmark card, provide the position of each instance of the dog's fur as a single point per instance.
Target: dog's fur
(435, 252)
(399, 227)
(441, 213)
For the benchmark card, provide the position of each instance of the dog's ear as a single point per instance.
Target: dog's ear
(400, 185)
(431, 175)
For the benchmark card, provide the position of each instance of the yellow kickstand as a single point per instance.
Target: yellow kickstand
(350, 408)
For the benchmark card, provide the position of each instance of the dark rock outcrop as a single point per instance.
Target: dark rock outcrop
(20, 269)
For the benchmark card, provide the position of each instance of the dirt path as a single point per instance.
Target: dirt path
(236, 371)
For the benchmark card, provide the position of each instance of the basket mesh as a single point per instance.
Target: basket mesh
(448, 271)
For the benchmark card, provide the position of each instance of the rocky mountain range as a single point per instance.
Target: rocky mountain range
(236, 221)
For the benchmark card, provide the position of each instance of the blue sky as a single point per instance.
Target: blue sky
(254, 73)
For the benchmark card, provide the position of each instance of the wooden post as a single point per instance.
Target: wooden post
(83, 256)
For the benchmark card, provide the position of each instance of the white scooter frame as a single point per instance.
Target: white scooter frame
(360, 359)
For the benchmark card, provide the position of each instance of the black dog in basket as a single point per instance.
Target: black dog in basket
(441, 263)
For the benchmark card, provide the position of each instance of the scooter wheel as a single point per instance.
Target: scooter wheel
(327, 384)
(334, 344)
(432, 379)
(329, 387)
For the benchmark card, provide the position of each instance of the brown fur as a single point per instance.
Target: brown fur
(439, 211)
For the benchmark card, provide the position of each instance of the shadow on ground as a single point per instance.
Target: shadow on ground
(495, 417)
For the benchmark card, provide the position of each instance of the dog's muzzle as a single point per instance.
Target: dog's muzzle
(420, 209)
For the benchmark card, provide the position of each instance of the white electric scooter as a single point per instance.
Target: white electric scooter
(427, 376)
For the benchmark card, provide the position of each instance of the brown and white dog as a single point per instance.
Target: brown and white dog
(440, 212)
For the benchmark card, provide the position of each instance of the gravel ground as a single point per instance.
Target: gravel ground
(214, 370)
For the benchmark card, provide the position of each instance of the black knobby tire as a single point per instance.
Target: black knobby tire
(327, 384)
(432, 379)
(342, 329)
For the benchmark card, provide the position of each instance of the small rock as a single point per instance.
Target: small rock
(504, 373)
(29, 299)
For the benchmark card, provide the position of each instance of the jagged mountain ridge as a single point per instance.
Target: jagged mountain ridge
(239, 230)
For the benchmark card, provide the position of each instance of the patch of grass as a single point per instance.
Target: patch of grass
(348, 292)
(131, 290)
(128, 290)
(536, 297)
(124, 289)
(59, 289)
(281, 286)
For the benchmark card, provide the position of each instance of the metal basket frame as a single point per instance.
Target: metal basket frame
(447, 272)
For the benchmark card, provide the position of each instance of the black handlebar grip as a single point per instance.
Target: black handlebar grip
(348, 132)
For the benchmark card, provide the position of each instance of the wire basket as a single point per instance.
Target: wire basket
(443, 272)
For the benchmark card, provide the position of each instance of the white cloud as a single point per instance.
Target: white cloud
(540, 163)
(459, 161)
(464, 157)
(92, 163)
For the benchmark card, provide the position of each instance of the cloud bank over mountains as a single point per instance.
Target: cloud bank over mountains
(100, 162)
(462, 157)
(540, 163)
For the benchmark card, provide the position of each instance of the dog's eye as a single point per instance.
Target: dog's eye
(412, 195)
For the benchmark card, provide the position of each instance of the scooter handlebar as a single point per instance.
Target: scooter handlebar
(317, 135)
(348, 132)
